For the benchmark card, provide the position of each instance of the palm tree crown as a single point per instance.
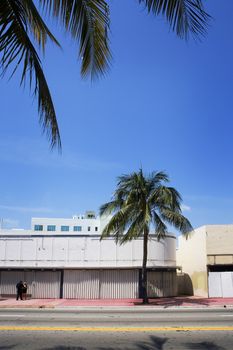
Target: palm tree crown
(143, 204)
(23, 31)
(141, 201)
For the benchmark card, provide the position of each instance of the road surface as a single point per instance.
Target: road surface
(119, 329)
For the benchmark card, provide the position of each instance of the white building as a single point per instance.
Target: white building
(65, 258)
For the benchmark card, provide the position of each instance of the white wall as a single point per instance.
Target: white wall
(58, 222)
(29, 249)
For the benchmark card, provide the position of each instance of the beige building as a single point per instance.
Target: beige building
(206, 258)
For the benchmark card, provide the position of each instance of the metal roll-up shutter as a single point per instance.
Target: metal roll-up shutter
(169, 283)
(81, 284)
(161, 284)
(70, 284)
(9, 279)
(29, 278)
(155, 284)
(119, 284)
(46, 284)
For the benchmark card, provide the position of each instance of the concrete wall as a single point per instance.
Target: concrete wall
(219, 244)
(192, 256)
(28, 249)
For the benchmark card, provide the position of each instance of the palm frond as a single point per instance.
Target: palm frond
(185, 17)
(110, 207)
(177, 220)
(36, 25)
(156, 177)
(160, 227)
(15, 47)
(88, 23)
(117, 224)
(121, 221)
(165, 196)
(135, 228)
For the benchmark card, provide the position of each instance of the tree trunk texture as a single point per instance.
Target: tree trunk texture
(144, 271)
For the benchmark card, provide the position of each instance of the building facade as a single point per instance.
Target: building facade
(207, 261)
(65, 258)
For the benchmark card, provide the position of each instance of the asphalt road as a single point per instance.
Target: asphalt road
(116, 330)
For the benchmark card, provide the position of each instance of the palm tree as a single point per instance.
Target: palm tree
(142, 202)
(23, 31)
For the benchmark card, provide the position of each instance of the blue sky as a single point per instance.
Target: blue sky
(166, 104)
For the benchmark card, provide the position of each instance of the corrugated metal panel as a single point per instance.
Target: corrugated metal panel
(81, 284)
(161, 284)
(118, 284)
(169, 283)
(46, 284)
(70, 284)
(175, 284)
(155, 284)
(88, 284)
(29, 277)
(9, 279)
(41, 284)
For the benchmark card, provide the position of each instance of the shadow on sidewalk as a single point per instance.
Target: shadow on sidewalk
(179, 301)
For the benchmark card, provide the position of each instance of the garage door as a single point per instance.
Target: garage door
(119, 284)
(220, 284)
(81, 284)
(46, 284)
(100, 284)
(161, 284)
(9, 279)
(41, 284)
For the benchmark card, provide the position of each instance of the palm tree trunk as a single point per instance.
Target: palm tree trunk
(144, 271)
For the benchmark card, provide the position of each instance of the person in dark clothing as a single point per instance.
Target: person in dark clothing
(24, 290)
(19, 288)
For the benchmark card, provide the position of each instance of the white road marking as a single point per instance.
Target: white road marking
(227, 315)
(13, 315)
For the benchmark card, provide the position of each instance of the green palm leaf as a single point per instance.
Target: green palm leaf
(37, 26)
(88, 23)
(184, 16)
(16, 21)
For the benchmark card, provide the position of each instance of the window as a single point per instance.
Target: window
(89, 228)
(65, 228)
(38, 227)
(96, 228)
(77, 228)
(51, 228)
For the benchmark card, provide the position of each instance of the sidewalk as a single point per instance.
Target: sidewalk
(164, 303)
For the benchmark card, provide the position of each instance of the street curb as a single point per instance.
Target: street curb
(116, 308)
(26, 307)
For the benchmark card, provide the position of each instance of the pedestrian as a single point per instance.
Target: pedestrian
(24, 290)
(19, 289)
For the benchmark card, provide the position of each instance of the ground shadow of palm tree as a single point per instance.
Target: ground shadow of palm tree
(176, 301)
(155, 343)
(205, 345)
(64, 347)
